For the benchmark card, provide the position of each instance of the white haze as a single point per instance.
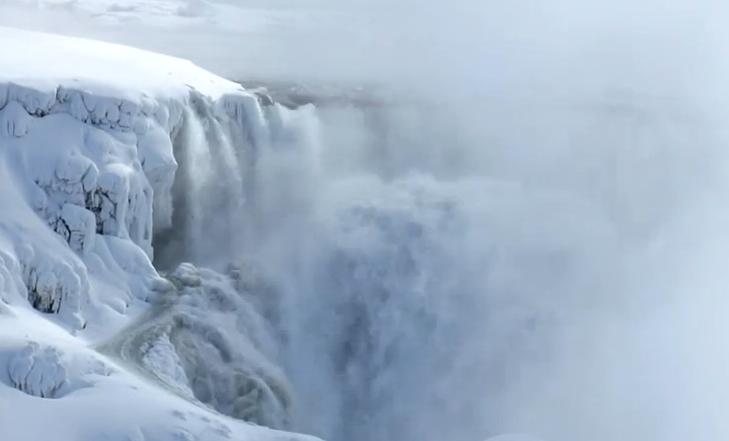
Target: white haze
(532, 237)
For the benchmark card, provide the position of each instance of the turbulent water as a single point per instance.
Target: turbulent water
(439, 270)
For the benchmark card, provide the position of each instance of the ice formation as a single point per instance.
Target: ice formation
(87, 169)
(48, 372)
(38, 371)
(207, 342)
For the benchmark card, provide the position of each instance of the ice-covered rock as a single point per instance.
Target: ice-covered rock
(96, 160)
(90, 136)
(160, 357)
(38, 371)
(208, 342)
(14, 120)
(49, 371)
(54, 285)
(77, 226)
(186, 275)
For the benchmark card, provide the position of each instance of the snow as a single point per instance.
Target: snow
(37, 371)
(88, 133)
(116, 78)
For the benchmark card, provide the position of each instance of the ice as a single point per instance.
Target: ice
(14, 120)
(38, 371)
(89, 134)
(78, 227)
(159, 356)
(207, 341)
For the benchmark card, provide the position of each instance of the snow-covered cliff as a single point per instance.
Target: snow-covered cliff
(94, 343)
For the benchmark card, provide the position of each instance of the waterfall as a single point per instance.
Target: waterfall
(208, 193)
(422, 276)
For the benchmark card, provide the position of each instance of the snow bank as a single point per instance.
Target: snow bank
(43, 62)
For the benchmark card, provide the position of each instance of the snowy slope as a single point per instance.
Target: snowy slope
(44, 62)
(86, 169)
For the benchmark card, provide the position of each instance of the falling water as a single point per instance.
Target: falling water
(453, 271)
(208, 194)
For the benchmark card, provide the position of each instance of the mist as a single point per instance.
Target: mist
(526, 233)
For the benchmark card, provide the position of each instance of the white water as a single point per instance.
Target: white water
(460, 270)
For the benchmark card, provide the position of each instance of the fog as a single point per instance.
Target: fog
(537, 45)
(527, 233)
